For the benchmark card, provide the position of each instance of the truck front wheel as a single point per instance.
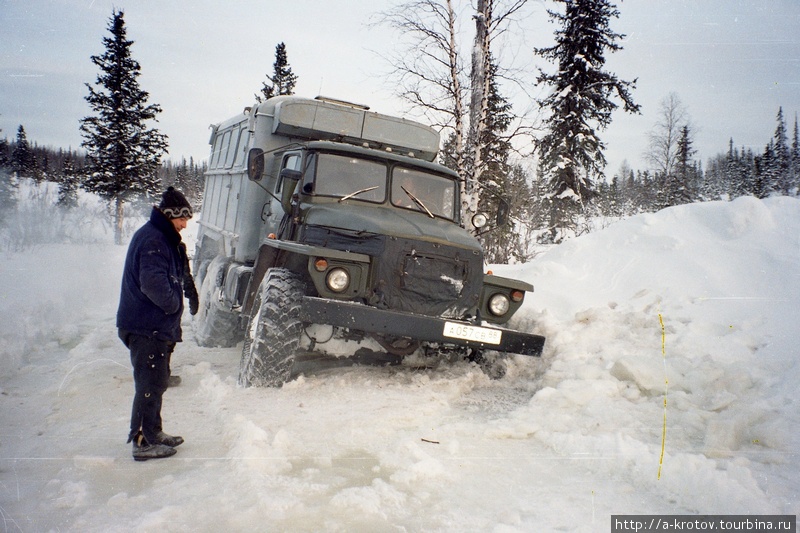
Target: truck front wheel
(273, 335)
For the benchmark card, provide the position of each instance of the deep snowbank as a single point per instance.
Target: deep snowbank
(560, 443)
(725, 280)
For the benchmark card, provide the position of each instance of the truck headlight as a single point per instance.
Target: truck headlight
(479, 220)
(337, 279)
(499, 304)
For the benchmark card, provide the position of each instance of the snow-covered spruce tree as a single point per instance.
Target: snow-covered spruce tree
(123, 154)
(714, 183)
(23, 160)
(182, 176)
(68, 184)
(781, 181)
(186, 180)
(626, 191)
(8, 185)
(185, 176)
(794, 161)
(43, 167)
(644, 196)
(4, 157)
(747, 172)
(8, 194)
(735, 176)
(765, 172)
(197, 177)
(580, 104)
(500, 181)
(283, 79)
(680, 185)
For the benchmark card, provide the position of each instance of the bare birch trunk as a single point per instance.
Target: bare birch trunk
(458, 106)
(479, 97)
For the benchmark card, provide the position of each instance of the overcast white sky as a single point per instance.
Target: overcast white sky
(733, 63)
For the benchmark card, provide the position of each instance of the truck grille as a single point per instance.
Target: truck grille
(414, 276)
(429, 279)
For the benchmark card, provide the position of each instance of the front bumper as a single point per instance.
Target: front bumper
(424, 328)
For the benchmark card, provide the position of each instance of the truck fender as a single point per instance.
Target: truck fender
(266, 259)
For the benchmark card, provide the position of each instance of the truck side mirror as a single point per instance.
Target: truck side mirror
(502, 211)
(289, 180)
(255, 164)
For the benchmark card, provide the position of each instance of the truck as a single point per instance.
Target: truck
(324, 224)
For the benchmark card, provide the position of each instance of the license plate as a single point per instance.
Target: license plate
(455, 330)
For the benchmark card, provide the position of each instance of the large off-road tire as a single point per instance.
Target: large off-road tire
(273, 334)
(214, 326)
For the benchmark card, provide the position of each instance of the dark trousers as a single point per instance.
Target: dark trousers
(150, 359)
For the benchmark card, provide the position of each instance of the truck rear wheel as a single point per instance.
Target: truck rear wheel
(213, 325)
(273, 334)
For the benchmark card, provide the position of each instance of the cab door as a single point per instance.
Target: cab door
(273, 212)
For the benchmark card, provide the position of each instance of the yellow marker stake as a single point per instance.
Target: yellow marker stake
(666, 387)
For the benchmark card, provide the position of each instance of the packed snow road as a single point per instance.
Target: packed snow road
(559, 443)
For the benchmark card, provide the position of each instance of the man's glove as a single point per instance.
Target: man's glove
(194, 304)
(189, 290)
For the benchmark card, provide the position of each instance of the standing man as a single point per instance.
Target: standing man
(149, 318)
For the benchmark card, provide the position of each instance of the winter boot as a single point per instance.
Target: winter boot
(142, 450)
(168, 440)
(174, 381)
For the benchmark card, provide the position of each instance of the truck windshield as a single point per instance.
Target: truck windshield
(350, 177)
(432, 194)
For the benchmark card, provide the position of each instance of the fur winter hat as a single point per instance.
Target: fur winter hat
(174, 204)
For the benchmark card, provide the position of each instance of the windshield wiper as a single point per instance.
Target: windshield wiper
(356, 193)
(417, 201)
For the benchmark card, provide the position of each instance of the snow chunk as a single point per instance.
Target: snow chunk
(648, 373)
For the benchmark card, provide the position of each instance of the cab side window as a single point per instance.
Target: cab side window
(241, 152)
(231, 149)
(290, 161)
(215, 152)
(219, 160)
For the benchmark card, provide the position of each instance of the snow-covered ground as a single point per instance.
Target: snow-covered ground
(559, 444)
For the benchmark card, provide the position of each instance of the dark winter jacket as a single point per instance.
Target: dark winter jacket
(151, 299)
